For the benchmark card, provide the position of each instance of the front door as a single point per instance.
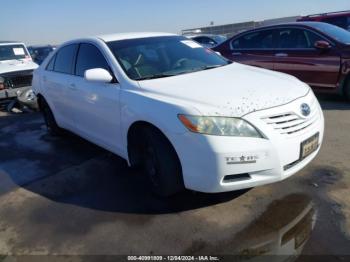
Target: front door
(97, 108)
(296, 55)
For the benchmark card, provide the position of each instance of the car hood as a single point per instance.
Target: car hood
(10, 66)
(233, 90)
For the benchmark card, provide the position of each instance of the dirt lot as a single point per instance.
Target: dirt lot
(67, 196)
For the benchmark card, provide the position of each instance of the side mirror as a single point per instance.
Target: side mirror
(98, 75)
(322, 45)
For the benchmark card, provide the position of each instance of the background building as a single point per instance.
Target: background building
(232, 29)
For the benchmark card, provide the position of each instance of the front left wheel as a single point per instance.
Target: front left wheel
(159, 162)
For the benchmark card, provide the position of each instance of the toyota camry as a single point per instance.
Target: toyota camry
(186, 116)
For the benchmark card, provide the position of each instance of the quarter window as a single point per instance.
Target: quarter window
(255, 40)
(65, 59)
(89, 57)
(51, 64)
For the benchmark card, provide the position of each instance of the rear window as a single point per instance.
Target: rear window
(13, 52)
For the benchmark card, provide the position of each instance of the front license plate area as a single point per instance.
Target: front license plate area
(309, 146)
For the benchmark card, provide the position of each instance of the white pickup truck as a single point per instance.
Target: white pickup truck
(16, 71)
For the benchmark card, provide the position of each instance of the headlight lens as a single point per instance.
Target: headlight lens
(30, 95)
(219, 126)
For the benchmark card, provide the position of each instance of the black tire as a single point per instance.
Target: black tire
(49, 118)
(160, 163)
(347, 89)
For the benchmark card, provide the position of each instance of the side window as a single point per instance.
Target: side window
(65, 59)
(51, 64)
(89, 57)
(293, 38)
(255, 40)
(312, 38)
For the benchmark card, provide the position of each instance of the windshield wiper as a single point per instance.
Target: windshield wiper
(154, 76)
(210, 67)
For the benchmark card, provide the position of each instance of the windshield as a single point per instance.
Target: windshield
(157, 57)
(13, 52)
(337, 33)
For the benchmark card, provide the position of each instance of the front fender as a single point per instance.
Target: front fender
(161, 112)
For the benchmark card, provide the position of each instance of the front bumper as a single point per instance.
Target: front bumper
(12, 92)
(21, 95)
(208, 161)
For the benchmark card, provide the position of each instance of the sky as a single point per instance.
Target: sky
(55, 21)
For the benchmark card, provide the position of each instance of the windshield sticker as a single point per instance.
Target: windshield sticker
(18, 51)
(191, 44)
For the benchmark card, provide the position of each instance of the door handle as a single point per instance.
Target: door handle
(72, 87)
(281, 55)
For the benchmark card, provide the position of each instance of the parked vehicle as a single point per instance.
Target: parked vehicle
(341, 19)
(184, 114)
(208, 40)
(39, 53)
(316, 53)
(16, 70)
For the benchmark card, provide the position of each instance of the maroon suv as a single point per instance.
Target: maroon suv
(341, 19)
(316, 53)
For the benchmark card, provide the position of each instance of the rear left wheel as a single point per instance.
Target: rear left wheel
(347, 89)
(49, 118)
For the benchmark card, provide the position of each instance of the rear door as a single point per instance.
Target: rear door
(56, 77)
(296, 55)
(96, 105)
(254, 48)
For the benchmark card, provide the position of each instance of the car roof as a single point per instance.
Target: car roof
(311, 24)
(325, 15)
(10, 43)
(124, 36)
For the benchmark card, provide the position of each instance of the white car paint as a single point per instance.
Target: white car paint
(103, 113)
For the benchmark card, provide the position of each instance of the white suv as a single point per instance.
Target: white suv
(187, 116)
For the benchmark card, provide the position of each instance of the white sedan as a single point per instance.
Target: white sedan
(185, 115)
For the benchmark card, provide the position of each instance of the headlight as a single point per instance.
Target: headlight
(219, 126)
(30, 96)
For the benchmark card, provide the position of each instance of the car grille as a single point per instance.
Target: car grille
(290, 123)
(18, 79)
